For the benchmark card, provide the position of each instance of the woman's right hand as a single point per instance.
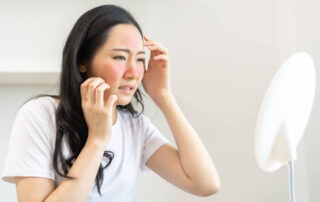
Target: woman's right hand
(97, 113)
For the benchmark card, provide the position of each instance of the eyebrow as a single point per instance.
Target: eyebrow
(127, 50)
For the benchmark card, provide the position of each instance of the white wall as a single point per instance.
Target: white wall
(308, 39)
(223, 56)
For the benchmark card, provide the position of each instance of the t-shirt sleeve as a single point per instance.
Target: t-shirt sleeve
(30, 147)
(153, 140)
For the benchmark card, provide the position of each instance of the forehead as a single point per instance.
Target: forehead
(124, 36)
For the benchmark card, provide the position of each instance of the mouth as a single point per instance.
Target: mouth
(127, 89)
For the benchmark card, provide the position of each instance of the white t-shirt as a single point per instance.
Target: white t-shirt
(32, 143)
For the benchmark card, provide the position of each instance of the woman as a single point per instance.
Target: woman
(58, 145)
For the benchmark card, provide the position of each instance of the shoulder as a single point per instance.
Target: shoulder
(38, 110)
(33, 126)
(42, 106)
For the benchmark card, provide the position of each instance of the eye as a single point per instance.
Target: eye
(141, 60)
(119, 57)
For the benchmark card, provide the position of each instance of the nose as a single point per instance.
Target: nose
(131, 70)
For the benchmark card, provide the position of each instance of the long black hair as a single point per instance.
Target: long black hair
(87, 35)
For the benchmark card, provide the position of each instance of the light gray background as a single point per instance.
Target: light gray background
(223, 56)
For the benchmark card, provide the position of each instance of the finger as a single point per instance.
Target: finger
(100, 94)
(146, 38)
(84, 88)
(92, 88)
(88, 80)
(110, 102)
(157, 47)
(164, 58)
(147, 42)
(153, 42)
(150, 42)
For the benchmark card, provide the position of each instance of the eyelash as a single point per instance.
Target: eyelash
(140, 60)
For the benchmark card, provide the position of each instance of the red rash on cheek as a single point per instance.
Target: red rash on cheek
(116, 71)
(141, 71)
(111, 73)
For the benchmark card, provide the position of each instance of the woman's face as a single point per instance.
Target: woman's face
(120, 61)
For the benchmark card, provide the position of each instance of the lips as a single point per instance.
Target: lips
(126, 87)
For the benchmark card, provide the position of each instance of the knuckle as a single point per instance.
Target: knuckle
(83, 85)
(100, 89)
(87, 81)
(98, 79)
(92, 85)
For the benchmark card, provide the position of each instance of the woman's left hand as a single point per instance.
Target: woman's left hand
(156, 81)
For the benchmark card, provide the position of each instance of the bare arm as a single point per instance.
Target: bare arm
(84, 170)
(191, 167)
(195, 159)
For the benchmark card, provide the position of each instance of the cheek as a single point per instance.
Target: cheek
(141, 72)
(116, 71)
(112, 73)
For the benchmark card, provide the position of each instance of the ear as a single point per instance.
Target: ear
(82, 68)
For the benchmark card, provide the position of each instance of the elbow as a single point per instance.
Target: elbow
(210, 190)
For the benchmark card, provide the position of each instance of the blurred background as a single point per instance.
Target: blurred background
(223, 55)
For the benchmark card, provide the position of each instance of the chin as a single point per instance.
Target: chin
(123, 101)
